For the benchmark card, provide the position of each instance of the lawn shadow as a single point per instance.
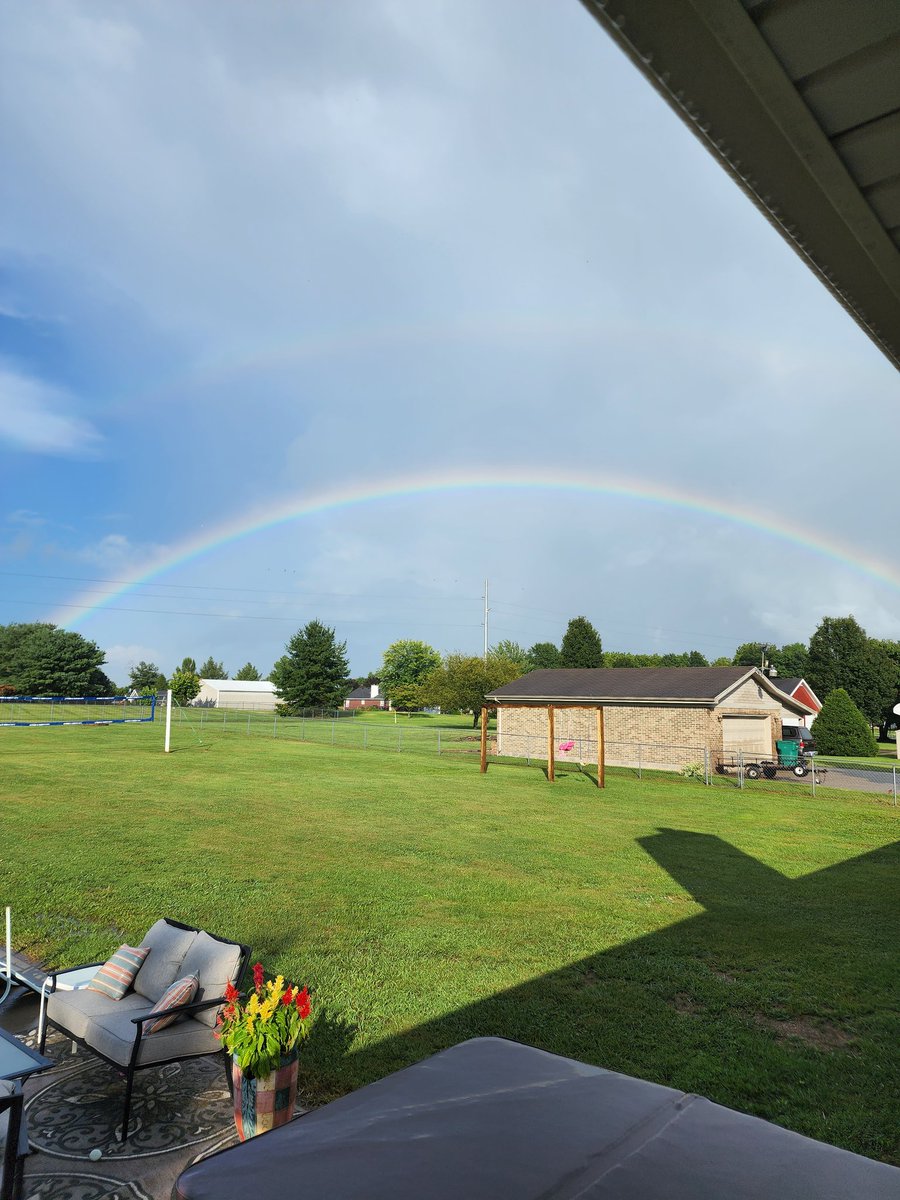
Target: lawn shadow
(778, 999)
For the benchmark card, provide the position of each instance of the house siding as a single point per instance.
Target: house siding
(652, 736)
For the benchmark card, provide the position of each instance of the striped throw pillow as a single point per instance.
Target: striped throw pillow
(182, 991)
(116, 976)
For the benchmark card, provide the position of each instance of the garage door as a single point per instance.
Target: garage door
(753, 734)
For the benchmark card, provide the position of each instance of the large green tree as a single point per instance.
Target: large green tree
(40, 659)
(248, 672)
(840, 727)
(189, 664)
(144, 676)
(790, 661)
(462, 681)
(581, 645)
(405, 664)
(313, 672)
(890, 653)
(543, 656)
(212, 669)
(841, 655)
(512, 652)
(750, 654)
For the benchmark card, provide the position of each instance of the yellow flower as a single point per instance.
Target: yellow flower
(253, 1006)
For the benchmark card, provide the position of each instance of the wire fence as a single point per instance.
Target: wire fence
(639, 760)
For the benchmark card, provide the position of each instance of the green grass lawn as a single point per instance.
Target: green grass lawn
(882, 763)
(742, 945)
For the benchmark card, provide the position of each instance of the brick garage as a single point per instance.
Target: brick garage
(661, 718)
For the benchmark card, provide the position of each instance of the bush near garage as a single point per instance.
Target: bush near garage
(842, 729)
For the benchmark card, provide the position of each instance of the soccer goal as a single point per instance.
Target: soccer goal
(76, 710)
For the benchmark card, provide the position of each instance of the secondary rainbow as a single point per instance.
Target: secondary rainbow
(296, 508)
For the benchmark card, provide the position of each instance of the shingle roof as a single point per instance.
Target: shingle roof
(599, 684)
(364, 693)
(786, 685)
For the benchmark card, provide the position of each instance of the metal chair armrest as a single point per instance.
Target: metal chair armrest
(196, 1006)
(51, 975)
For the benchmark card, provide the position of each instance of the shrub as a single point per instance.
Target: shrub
(840, 728)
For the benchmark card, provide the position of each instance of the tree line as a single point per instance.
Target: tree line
(42, 659)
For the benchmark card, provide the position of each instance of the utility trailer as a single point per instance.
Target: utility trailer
(788, 758)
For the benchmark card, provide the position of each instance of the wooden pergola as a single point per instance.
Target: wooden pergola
(551, 739)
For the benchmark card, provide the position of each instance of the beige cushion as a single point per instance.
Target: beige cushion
(168, 946)
(113, 1036)
(214, 963)
(74, 1011)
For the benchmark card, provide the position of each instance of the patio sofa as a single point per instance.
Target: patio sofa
(114, 1030)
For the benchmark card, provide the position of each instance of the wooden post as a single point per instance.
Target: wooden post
(601, 751)
(551, 762)
(484, 721)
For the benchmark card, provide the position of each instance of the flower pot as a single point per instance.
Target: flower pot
(264, 1104)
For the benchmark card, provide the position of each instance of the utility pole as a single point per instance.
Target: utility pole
(487, 610)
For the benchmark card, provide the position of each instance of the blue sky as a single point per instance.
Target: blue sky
(251, 254)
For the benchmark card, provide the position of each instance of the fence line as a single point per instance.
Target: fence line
(639, 759)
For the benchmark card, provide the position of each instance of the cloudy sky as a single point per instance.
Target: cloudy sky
(337, 310)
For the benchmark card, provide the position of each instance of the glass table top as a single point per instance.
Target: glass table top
(18, 1060)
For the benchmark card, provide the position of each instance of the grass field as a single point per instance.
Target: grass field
(743, 945)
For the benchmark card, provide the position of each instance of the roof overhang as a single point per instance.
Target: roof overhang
(799, 100)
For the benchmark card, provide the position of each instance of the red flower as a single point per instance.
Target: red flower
(227, 1012)
(304, 1008)
(257, 975)
(231, 992)
(287, 997)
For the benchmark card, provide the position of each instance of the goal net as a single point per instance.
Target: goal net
(76, 710)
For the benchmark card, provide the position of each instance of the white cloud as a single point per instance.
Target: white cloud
(112, 550)
(33, 417)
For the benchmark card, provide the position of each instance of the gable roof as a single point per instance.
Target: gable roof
(364, 693)
(642, 685)
(799, 100)
(790, 684)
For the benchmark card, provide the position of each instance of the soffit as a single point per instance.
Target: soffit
(800, 101)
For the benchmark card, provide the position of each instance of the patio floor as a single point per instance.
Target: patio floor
(180, 1113)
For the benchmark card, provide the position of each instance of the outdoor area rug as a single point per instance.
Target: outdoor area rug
(180, 1113)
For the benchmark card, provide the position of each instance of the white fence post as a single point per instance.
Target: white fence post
(169, 723)
(894, 774)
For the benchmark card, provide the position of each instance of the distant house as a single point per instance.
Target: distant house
(249, 695)
(367, 696)
(798, 689)
(656, 717)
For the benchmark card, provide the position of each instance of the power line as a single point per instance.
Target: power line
(204, 587)
(175, 612)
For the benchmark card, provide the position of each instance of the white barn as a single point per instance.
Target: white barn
(257, 695)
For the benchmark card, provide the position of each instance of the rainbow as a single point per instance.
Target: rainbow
(296, 508)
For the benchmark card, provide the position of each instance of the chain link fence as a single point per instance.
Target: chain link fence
(637, 760)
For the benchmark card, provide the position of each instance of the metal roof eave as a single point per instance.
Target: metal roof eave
(713, 67)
